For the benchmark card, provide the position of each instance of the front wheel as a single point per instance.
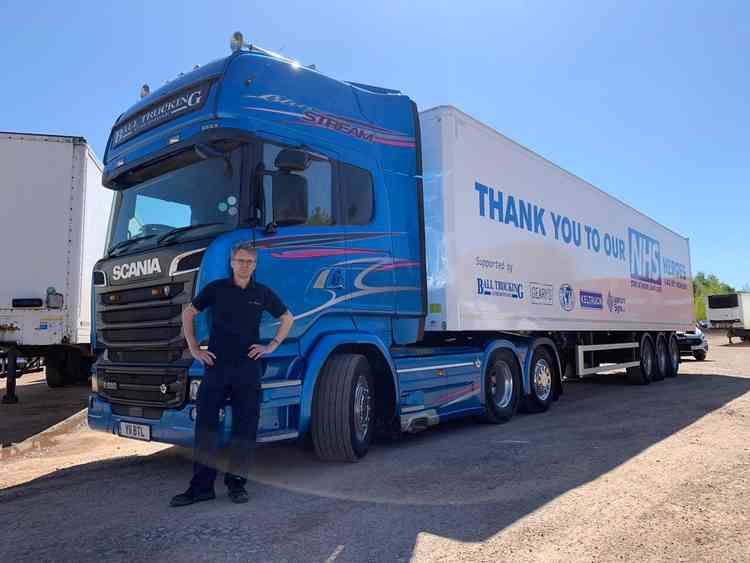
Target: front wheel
(699, 355)
(343, 409)
(502, 387)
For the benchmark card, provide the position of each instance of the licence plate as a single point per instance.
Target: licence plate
(136, 431)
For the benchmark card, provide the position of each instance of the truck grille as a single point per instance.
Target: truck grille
(141, 334)
(143, 387)
(142, 314)
(143, 294)
(145, 356)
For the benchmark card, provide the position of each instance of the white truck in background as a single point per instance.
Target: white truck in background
(54, 215)
(730, 311)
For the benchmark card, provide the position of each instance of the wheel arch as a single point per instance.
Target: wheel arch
(369, 345)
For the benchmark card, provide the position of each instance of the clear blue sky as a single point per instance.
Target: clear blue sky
(648, 100)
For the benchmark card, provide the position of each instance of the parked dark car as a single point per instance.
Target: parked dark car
(693, 343)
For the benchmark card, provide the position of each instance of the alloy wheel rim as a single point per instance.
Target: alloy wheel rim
(362, 408)
(542, 379)
(501, 385)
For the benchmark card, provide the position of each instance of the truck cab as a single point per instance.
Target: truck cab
(322, 175)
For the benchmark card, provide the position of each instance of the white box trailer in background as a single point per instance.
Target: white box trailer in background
(54, 217)
(730, 311)
(515, 243)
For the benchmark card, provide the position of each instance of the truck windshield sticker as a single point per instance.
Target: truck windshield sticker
(185, 101)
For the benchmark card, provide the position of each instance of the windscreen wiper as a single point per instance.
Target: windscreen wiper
(174, 233)
(127, 242)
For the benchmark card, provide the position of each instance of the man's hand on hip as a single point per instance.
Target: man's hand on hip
(258, 350)
(203, 356)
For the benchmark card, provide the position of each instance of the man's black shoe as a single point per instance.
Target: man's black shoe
(191, 496)
(238, 495)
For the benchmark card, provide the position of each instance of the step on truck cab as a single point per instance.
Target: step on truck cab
(367, 218)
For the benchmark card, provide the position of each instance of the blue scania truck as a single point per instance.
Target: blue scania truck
(435, 268)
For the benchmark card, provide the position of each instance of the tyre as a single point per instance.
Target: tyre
(661, 353)
(673, 348)
(54, 370)
(502, 387)
(343, 412)
(643, 374)
(541, 381)
(699, 355)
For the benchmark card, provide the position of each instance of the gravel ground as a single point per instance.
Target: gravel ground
(612, 472)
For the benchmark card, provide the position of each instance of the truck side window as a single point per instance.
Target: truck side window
(357, 198)
(319, 184)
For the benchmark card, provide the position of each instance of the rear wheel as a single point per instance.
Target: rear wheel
(673, 348)
(643, 374)
(541, 381)
(502, 387)
(662, 357)
(54, 370)
(342, 414)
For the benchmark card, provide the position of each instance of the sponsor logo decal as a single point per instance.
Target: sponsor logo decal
(541, 293)
(590, 300)
(615, 304)
(180, 103)
(499, 288)
(147, 267)
(567, 301)
(645, 261)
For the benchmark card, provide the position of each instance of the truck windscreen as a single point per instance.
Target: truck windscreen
(206, 193)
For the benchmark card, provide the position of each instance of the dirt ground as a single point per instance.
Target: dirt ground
(612, 472)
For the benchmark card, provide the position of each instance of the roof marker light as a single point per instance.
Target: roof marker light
(236, 42)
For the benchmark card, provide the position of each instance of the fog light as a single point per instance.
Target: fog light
(194, 386)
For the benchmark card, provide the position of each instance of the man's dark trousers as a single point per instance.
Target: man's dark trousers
(239, 382)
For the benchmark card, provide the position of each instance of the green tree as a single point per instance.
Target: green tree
(704, 285)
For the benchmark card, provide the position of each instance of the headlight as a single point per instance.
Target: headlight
(194, 386)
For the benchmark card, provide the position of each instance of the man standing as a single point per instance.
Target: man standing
(232, 371)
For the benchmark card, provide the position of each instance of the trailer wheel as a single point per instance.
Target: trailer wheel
(54, 370)
(662, 357)
(673, 365)
(541, 382)
(342, 413)
(644, 373)
(502, 388)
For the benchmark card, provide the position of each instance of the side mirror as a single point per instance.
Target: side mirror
(289, 198)
(292, 160)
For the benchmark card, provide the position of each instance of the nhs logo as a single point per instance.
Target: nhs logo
(645, 261)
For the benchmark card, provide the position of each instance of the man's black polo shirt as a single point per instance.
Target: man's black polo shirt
(235, 315)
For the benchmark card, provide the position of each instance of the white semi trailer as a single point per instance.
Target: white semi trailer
(730, 311)
(52, 224)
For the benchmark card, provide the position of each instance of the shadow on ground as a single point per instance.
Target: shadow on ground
(462, 480)
(38, 407)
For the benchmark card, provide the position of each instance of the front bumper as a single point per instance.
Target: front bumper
(279, 417)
